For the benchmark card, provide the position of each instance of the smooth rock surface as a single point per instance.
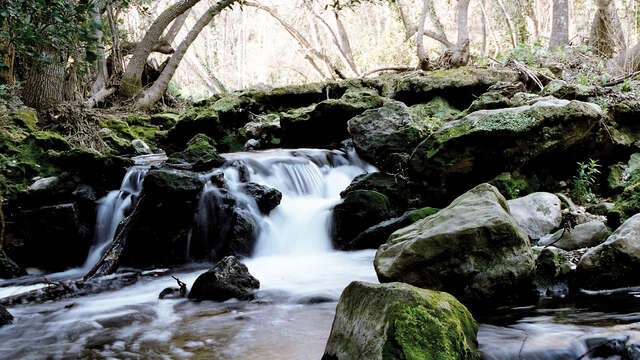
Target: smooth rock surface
(584, 235)
(228, 279)
(537, 214)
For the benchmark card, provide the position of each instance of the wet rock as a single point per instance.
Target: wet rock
(118, 144)
(162, 220)
(324, 124)
(378, 234)
(140, 147)
(397, 321)
(395, 188)
(584, 235)
(552, 272)
(537, 213)
(633, 351)
(172, 293)
(8, 268)
(616, 262)
(267, 198)
(5, 317)
(486, 143)
(228, 279)
(389, 129)
(473, 249)
(43, 184)
(314, 299)
(606, 346)
(199, 155)
(359, 210)
(251, 145)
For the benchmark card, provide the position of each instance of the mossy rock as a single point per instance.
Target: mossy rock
(552, 265)
(399, 321)
(27, 119)
(360, 210)
(172, 183)
(394, 187)
(434, 113)
(562, 90)
(164, 120)
(116, 143)
(488, 101)
(199, 155)
(486, 143)
(626, 112)
(50, 141)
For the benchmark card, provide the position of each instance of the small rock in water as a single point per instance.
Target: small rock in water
(170, 293)
(5, 316)
(315, 299)
(633, 351)
(267, 198)
(228, 279)
(251, 144)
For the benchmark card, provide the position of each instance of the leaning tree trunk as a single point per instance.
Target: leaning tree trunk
(423, 58)
(132, 78)
(155, 92)
(560, 26)
(42, 87)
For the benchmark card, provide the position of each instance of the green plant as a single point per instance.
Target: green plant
(585, 181)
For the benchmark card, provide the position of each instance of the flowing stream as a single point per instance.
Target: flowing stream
(301, 280)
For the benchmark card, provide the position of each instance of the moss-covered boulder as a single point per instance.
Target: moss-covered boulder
(396, 188)
(399, 321)
(461, 86)
(378, 234)
(628, 202)
(488, 142)
(434, 113)
(325, 123)
(115, 142)
(563, 90)
(381, 132)
(626, 112)
(488, 101)
(164, 120)
(473, 249)
(359, 210)
(199, 155)
(616, 262)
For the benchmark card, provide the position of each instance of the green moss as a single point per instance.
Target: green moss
(164, 120)
(551, 264)
(28, 119)
(441, 330)
(137, 120)
(200, 153)
(415, 215)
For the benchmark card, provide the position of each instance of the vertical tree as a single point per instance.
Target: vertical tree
(606, 30)
(560, 26)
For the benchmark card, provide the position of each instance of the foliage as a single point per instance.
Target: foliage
(585, 181)
(48, 31)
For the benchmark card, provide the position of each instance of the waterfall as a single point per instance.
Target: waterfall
(310, 181)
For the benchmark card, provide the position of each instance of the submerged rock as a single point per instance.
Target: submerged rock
(537, 214)
(584, 235)
(400, 321)
(359, 210)
(616, 262)
(5, 316)
(485, 143)
(228, 279)
(473, 249)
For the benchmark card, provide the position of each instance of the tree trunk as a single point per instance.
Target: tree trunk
(560, 27)
(606, 30)
(102, 74)
(628, 61)
(132, 78)
(423, 58)
(177, 24)
(460, 55)
(507, 18)
(409, 28)
(155, 92)
(43, 85)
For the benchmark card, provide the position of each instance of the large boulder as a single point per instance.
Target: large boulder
(473, 249)
(537, 214)
(395, 188)
(228, 279)
(485, 143)
(325, 123)
(390, 129)
(163, 218)
(616, 262)
(583, 235)
(360, 210)
(399, 321)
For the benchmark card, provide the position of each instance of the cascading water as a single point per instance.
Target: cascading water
(301, 279)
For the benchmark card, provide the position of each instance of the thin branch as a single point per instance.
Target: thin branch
(387, 68)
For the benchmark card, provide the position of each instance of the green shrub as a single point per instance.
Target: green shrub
(585, 181)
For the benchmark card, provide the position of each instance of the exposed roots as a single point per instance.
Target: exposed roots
(78, 126)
